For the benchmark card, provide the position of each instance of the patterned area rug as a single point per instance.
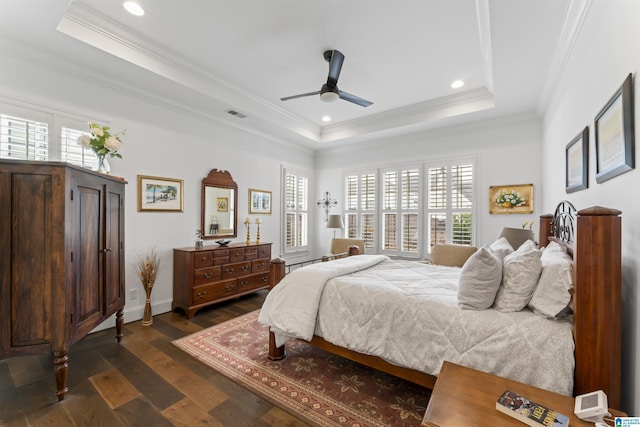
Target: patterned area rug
(314, 385)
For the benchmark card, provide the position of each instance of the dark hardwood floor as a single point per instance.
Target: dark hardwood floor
(143, 381)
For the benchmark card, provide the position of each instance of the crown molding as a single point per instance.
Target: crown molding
(577, 12)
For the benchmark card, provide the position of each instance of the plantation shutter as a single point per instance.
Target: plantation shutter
(296, 202)
(360, 207)
(72, 151)
(450, 205)
(23, 139)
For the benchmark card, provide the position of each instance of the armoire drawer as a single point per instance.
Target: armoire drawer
(254, 281)
(236, 269)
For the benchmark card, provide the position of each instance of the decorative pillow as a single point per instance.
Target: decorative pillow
(501, 248)
(479, 280)
(553, 293)
(520, 272)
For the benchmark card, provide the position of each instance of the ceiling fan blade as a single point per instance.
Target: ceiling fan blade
(355, 99)
(286, 98)
(335, 65)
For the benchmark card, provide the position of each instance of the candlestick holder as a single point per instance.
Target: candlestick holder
(258, 233)
(248, 227)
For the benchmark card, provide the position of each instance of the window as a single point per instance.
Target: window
(450, 204)
(29, 134)
(23, 139)
(401, 211)
(420, 205)
(360, 207)
(296, 211)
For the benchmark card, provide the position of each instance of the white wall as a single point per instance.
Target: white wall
(508, 151)
(606, 50)
(165, 143)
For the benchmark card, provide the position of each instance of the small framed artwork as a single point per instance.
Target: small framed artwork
(577, 162)
(259, 201)
(614, 131)
(157, 194)
(511, 199)
(223, 204)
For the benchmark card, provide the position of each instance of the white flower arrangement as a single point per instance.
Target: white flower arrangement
(509, 198)
(102, 141)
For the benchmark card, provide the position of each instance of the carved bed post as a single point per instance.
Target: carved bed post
(545, 230)
(276, 273)
(597, 319)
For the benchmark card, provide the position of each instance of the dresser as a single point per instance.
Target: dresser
(208, 275)
(61, 258)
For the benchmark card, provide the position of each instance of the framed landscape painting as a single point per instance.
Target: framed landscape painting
(157, 194)
(615, 134)
(577, 162)
(259, 201)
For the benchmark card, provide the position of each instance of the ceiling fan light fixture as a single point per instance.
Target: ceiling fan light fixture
(329, 96)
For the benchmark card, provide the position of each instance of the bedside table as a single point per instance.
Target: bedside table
(466, 397)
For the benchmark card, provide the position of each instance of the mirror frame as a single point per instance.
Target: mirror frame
(219, 179)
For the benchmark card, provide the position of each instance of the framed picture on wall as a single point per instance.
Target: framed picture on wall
(157, 194)
(577, 162)
(614, 131)
(511, 199)
(259, 201)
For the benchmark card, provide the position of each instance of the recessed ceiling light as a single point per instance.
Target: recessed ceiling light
(457, 84)
(326, 118)
(133, 8)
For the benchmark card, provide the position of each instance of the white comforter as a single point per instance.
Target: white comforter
(406, 312)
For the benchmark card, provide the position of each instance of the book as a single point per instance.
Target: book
(529, 412)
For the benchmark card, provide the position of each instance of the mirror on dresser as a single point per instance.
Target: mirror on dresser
(219, 205)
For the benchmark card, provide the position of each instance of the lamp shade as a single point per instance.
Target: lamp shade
(516, 236)
(335, 221)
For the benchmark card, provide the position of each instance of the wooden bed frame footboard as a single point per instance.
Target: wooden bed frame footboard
(593, 238)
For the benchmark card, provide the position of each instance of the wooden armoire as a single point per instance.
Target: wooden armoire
(61, 258)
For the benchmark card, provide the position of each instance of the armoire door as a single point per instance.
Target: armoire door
(114, 297)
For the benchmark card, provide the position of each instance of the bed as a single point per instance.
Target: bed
(581, 353)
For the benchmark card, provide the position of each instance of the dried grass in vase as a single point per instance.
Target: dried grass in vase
(147, 268)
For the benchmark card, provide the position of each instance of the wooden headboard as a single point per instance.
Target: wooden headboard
(592, 237)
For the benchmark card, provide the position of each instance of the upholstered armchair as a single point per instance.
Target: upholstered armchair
(341, 245)
(451, 255)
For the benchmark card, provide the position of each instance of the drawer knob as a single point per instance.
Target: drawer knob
(261, 265)
(244, 284)
(244, 268)
(208, 275)
(201, 294)
(229, 288)
(265, 278)
(204, 258)
(229, 270)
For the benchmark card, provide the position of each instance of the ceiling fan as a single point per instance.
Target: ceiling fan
(329, 91)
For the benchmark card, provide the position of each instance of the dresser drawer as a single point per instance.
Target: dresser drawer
(236, 269)
(206, 275)
(206, 293)
(203, 259)
(260, 265)
(236, 254)
(250, 253)
(254, 281)
(264, 251)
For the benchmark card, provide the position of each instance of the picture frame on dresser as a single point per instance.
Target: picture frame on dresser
(158, 194)
(615, 134)
(577, 162)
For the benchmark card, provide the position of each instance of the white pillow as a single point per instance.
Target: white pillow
(501, 248)
(479, 280)
(553, 293)
(520, 272)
